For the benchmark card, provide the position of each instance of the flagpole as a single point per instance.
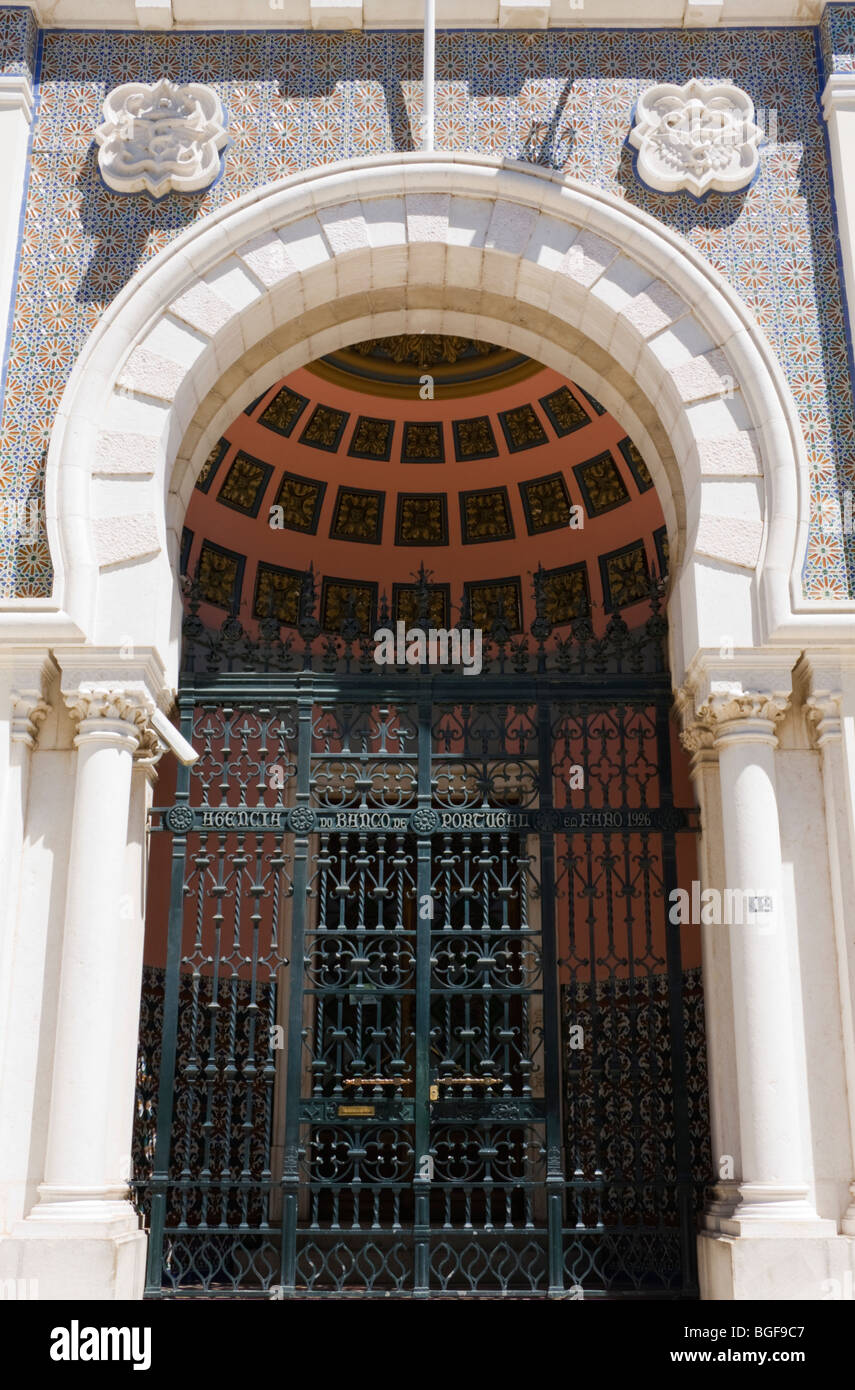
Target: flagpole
(429, 75)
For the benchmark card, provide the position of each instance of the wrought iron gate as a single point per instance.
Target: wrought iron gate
(419, 1028)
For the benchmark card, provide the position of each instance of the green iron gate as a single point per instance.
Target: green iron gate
(420, 1030)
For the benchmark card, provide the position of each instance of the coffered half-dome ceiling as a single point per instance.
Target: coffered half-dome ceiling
(344, 467)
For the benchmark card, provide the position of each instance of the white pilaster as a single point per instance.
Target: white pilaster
(82, 1237)
(838, 105)
(723, 1193)
(23, 678)
(825, 708)
(16, 115)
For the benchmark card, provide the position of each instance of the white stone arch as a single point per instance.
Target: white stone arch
(572, 276)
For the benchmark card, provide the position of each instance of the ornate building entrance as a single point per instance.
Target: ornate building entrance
(422, 1026)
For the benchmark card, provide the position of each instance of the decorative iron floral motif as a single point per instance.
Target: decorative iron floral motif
(345, 605)
(211, 464)
(564, 411)
(301, 500)
(358, 516)
(474, 439)
(277, 593)
(406, 601)
(179, 819)
(424, 349)
(301, 819)
(697, 137)
(637, 466)
(566, 594)
(422, 519)
(601, 485)
(485, 515)
(522, 428)
(495, 602)
(625, 575)
(372, 439)
(283, 412)
(423, 442)
(348, 616)
(546, 503)
(663, 553)
(325, 428)
(220, 575)
(245, 484)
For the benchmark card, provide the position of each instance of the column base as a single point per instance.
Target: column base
(722, 1200)
(803, 1268)
(86, 1250)
(847, 1225)
(775, 1209)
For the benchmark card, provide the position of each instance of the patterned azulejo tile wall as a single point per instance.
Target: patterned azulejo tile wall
(562, 97)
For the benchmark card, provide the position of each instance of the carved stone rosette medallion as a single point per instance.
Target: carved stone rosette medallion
(161, 136)
(696, 138)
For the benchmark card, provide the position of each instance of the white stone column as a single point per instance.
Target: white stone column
(723, 1192)
(838, 105)
(82, 1239)
(774, 1194)
(825, 711)
(22, 680)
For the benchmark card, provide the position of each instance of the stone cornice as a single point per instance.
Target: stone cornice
(114, 667)
(123, 690)
(16, 94)
(838, 93)
(404, 14)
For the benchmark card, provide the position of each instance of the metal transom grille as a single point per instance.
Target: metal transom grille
(418, 1023)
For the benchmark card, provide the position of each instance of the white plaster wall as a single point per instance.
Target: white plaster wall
(16, 107)
(25, 1082)
(824, 1121)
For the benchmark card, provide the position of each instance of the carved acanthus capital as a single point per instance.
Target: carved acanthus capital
(728, 707)
(125, 710)
(823, 714)
(29, 711)
(696, 737)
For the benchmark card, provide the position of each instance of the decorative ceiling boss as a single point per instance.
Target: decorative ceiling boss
(159, 137)
(696, 138)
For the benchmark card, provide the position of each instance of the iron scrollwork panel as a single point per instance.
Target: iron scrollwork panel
(457, 908)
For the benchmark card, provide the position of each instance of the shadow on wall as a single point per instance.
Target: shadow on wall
(121, 226)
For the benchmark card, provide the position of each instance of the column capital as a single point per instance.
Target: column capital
(113, 694)
(822, 712)
(697, 736)
(728, 713)
(740, 716)
(26, 676)
(29, 711)
(109, 712)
